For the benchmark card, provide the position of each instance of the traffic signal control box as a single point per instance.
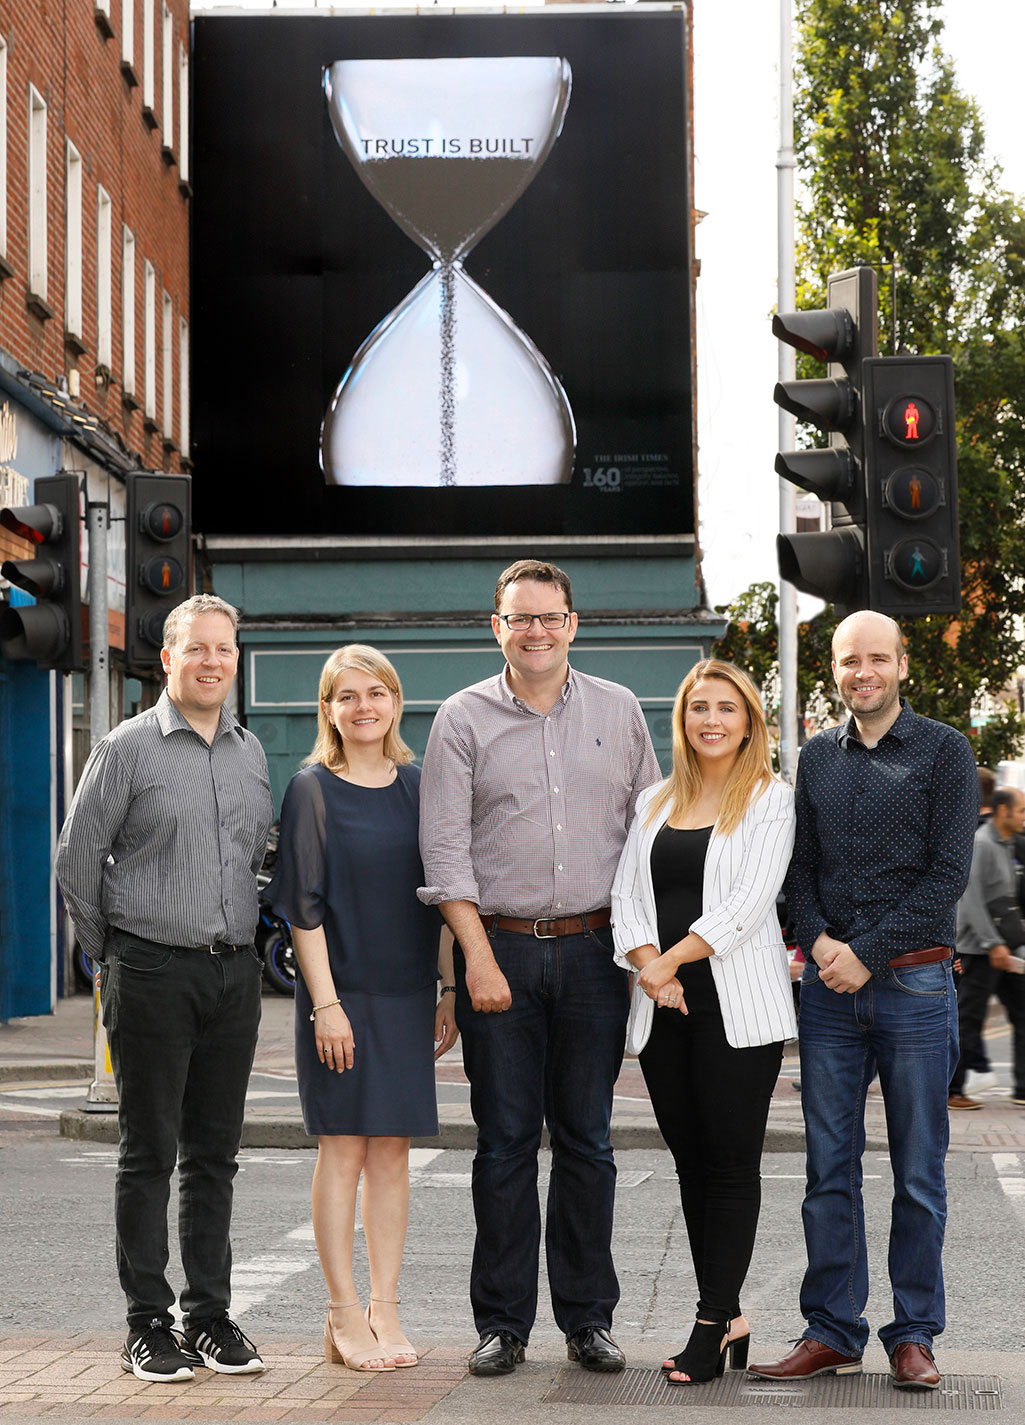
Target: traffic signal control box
(158, 560)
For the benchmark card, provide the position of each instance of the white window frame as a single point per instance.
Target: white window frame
(149, 340)
(73, 316)
(167, 80)
(128, 311)
(128, 33)
(104, 279)
(3, 148)
(167, 365)
(183, 386)
(183, 112)
(37, 234)
(149, 57)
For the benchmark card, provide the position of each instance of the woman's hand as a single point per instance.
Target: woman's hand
(445, 1031)
(333, 1035)
(658, 981)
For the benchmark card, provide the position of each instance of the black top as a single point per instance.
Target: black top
(677, 878)
(884, 838)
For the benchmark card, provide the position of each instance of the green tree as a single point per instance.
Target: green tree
(894, 173)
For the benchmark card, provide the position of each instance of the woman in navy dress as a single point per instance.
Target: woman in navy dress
(368, 1019)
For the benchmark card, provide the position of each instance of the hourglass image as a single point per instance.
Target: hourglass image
(447, 390)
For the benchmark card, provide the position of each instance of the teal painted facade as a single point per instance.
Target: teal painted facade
(639, 625)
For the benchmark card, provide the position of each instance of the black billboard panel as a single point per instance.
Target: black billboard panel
(442, 274)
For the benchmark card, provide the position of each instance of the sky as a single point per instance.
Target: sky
(736, 54)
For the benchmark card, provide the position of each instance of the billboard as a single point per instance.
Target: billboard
(442, 274)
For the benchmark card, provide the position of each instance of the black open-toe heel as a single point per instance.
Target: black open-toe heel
(704, 1356)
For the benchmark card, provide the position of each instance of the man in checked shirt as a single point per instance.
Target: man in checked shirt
(528, 787)
(157, 862)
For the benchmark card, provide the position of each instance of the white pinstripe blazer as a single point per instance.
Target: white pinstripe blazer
(743, 874)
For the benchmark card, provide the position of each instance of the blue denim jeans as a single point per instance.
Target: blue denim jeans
(553, 1058)
(904, 1027)
(182, 1026)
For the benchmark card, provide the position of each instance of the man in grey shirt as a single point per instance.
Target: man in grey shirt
(529, 784)
(157, 862)
(987, 964)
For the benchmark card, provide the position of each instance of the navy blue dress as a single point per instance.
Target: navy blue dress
(349, 859)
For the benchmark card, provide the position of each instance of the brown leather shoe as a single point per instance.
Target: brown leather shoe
(807, 1359)
(913, 1367)
(961, 1100)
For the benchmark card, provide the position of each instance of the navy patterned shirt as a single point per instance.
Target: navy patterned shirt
(884, 838)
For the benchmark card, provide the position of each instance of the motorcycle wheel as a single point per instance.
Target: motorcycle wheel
(85, 969)
(279, 961)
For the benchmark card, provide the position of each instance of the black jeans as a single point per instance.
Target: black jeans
(181, 1025)
(977, 982)
(711, 1102)
(553, 1057)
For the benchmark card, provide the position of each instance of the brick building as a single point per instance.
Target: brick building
(94, 366)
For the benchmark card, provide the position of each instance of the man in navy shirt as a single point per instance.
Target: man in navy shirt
(886, 814)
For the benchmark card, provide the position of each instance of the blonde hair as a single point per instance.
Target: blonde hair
(752, 772)
(329, 749)
(177, 621)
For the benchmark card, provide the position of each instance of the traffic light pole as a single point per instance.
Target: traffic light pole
(787, 610)
(99, 655)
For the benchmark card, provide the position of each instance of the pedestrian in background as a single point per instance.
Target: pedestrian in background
(694, 910)
(530, 780)
(157, 862)
(367, 1012)
(886, 811)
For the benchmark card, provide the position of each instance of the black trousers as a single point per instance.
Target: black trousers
(711, 1102)
(182, 1026)
(977, 982)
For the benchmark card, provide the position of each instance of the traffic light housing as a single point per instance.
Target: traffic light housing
(50, 630)
(158, 560)
(831, 564)
(914, 561)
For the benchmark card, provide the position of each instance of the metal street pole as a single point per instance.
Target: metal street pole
(785, 301)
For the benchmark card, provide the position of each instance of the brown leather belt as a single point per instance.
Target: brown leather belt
(549, 929)
(922, 957)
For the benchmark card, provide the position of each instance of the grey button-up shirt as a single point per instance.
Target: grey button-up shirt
(525, 813)
(166, 833)
(992, 876)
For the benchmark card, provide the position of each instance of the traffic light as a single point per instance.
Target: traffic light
(831, 563)
(914, 562)
(50, 630)
(158, 560)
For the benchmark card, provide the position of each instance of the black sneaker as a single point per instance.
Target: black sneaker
(222, 1347)
(155, 1352)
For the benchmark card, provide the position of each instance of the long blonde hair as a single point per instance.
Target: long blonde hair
(329, 749)
(752, 772)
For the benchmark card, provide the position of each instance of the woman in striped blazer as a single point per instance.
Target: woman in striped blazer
(694, 911)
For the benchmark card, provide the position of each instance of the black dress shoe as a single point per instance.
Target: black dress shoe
(595, 1349)
(498, 1353)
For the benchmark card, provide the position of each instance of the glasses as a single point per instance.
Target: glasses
(519, 623)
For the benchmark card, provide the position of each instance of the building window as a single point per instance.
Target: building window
(167, 80)
(3, 151)
(149, 342)
(36, 194)
(128, 40)
(104, 270)
(73, 325)
(183, 386)
(183, 112)
(128, 315)
(166, 366)
(149, 63)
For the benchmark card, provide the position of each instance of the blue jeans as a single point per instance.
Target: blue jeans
(904, 1027)
(182, 1026)
(553, 1058)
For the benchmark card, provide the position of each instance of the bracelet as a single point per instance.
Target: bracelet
(323, 1006)
(447, 990)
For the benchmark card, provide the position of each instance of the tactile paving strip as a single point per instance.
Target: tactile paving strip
(573, 1386)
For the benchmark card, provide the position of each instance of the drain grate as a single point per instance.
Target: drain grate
(648, 1387)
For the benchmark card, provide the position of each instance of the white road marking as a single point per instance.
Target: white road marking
(1009, 1175)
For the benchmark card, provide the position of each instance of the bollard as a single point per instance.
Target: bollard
(102, 1096)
